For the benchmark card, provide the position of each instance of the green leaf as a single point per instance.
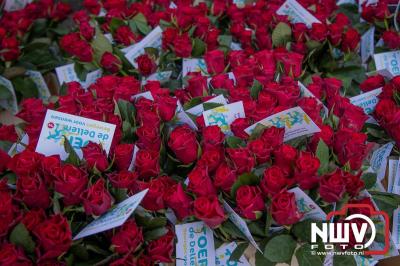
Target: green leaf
(149, 222)
(234, 142)
(238, 252)
(281, 34)
(302, 230)
(255, 89)
(386, 202)
(225, 40)
(20, 237)
(26, 87)
(369, 179)
(73, 157)
(141, 23)
(208, 106)
(280, 248)
(306, 258)
(127, 111)
(115, 24)
(155, 234)
(260, 260)
(198, 47)
(244, 179)
(80, 70)
(5, 145)
(100, 45)
(5, 93)
(257, 131)
(323, 155)
(339, 260)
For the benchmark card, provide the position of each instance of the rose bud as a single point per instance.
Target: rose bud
(148, 137)
(250, 202)
(166, 106)
(4, 160)
(274, 180)
(326, 135)
(147, 163)
(224, 177)
(209, 210)
(123, 155)
(284, 209)
(242, 159)
(9, 213)
(353, 118)
(213, 137)
(273, 136)
(96, 199)
(182, 141)
(318, 32)
(11, 254)
(32, 190)
(354, 184)
(176, 199)
(260, 150)
(154, 200)
(215, 61)
(285, 157)
(95, 156)
(200, 182)
(146, 65)
(238, 126)
(350, 40)
(305, 173)
(86, 30)
(182, 45)
(32, 218)
(161, 249)
(54, 237)
(372, 83)
(124, 35)
(391, 39)
(123, 179)
(110, 62)
(8, 133)
(25, 163)
(70, 181)
(128, 238)
(332, 186)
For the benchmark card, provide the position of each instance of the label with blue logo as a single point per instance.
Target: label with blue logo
(224, 252)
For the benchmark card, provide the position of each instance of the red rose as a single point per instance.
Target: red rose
(197, 85)
(242, 159)
(200, 182)
(32, 190)
(182, 45)
(95, 156)
(210, 159)
(285, 156)
(32, 218)
(209, 210)
(124, 35)
(49, 167)
(176, 199)
(8, 133)
(238, 126)
(154, 200)
(96, 199)
(284, 209)
(292, 63)
(312, 107)
(4, 160)
(332, 186)
(92, 6)
(215, 61)
(123, 155)
(335, 33)
(146, 65)
(70, 181)
(299, 31)
(250, 202)
(148, 137)
(123, 179)
(213, 137)
(9, 213)
(224, 177)
(25, 163)
(11, 255)
(350, 40)
(166, 107)
(10, 49)
(260, 150)
(147, 163)
(160, 250)
(354, 184)
(372, 83)
(128, 238)
(110, 62)
(182, 141)
(86, 30)
(391, 39)
(318, 32)
(168, 37)
(326, 135)
(54, 236)
(222, 81)
(305, 172)
(274, 180)
(353, 118)
(273, 136)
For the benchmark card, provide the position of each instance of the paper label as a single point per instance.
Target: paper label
(153, 39)
(38, 79)
(195, 245)
(307, 206)
(396, 181)
(224, 116)
(67, 74)
(132, 163)
(224, 252)
(158, 76)
(295, 121)
(392, 171)
(388, 60)
(379, 159)
(396, 228)
(240, 224)
(114, 217)
(11, 102)
(367, 100)
(305, 92)
(78, 130)
(193, 65)
(14, 5)
(109, 37)
(364, 261)
(199, 109)
(367, 44)
(297, 13)
(19, 147)
(146, 94)
(235, 46)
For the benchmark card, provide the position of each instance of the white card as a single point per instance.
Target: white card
(240, 224)
(114, 217)
(364, 261)
(367, 44)
(38, 79)
(67, 74)
(224, 252)
(158, 76)
(14, 5)
(296, 122)
(305, 92)
(146, 94)
(10, 103)
(195, 244)
(153, 39)
(388, 60)
(396, 228)
(224, 116)
(396, 181)
(183, 118)
(193, 65)
(367, 100)
(379, 159)
(132, 163)
(109, 37)
(392, 171)
(297, 13)
(199, 109)
(19, 147)
(235, 46)
(307, 206)
(78, 130)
